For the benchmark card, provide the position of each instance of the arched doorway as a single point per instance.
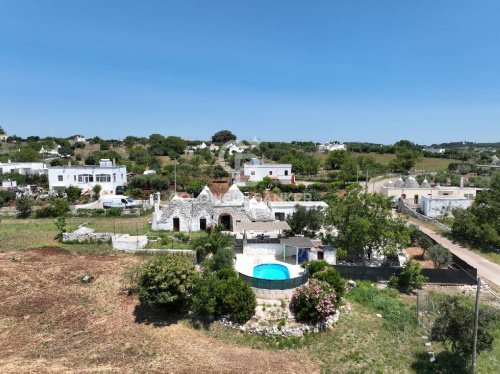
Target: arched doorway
(226, 221)
(415, 199)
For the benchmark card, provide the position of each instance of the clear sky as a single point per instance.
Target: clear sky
(426, 70)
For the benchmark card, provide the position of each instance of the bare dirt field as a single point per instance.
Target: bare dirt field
(52, 322)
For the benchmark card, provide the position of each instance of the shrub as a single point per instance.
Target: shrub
(223, 294)
(61, 227)
(333, 278)
(409, 278)
(315, 266)
(24, 207)
(222, 259)
(5, 197)
(440, 256)
(313, 302)
(238, 301)
(453, 326)
(59, 207)
(73, 193)
(166, 280)
(114, 212)
(97, 191)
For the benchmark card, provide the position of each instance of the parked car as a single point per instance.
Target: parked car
(123, 202)
(120, 190)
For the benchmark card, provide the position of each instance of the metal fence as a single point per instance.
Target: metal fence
(266, 284)
(426, 311)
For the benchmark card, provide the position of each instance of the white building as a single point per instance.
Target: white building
(106, 174)
(214, 147)
(233, 148)
(50, 152)
(79, 139)
(435, 150)
(254, 171)
(282, 210)
(332, 146)
(437, 206)
(412, 191)
(235, 211)
(23, 167)
(3, 137)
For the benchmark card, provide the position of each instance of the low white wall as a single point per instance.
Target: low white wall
(262, 249)
(127, 243)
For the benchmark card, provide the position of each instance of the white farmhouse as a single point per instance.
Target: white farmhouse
(332, 146)
(282, 210)
(79, 139)
(437, 206)
(106, 174)
(435, 150)
(23, 168)
(254, 171)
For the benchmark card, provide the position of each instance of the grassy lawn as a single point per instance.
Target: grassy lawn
(19, 234)
(363, 343)
(427, 163)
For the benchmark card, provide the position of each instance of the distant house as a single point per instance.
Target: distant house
(79, 139)
(50, 152)
(214, 147)
(256, 172)
(3, 137)
(106, 174)
(435, 150)
(233, 148)
(332, 146)
(23, 168)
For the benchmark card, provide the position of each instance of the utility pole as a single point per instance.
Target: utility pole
(175, 176)
(476, 323)
(366, 181)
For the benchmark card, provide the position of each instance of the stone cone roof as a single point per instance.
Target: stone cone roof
(425, 184)
(233, 196)
(399, 183)
(411, 183)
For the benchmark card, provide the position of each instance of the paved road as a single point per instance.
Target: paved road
(485, 268)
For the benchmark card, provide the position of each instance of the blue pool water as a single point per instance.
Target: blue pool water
(271, 272)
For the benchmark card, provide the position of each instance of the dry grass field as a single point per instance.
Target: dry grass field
(50, 322)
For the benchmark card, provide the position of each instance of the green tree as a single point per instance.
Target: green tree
(175, 144)
(60, 223)
(410, 278)
(479, 224)
(440, 256)
(212, 243)
(23, 207)
(73, 193)
(223, 136)
(26, 154)
(2, 131)
(454, 327)
(365, 224)
(219, 172)
(195, 186)
(96, 190)
(222, 259)
(407, 156)
(167, 280)
(305, 220)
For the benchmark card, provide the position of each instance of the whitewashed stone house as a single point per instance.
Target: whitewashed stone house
(235, 211)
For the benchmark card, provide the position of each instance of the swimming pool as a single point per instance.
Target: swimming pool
(271, 272)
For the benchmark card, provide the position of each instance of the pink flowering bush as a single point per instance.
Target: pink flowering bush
(313, 302)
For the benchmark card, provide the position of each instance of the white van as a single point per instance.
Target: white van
(118, 202)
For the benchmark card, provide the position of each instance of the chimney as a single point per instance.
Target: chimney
(461, 182)
(114, 162)
(69, 162)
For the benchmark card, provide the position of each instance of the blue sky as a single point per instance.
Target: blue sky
(378, 71)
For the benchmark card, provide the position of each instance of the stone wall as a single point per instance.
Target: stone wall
(87, 237)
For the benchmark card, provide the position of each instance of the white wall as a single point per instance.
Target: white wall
(23, 167)
(258, 172)
(69, 176)
(436, 207)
